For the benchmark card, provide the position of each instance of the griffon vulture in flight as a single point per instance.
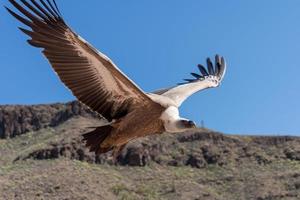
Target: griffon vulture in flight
(99, 84)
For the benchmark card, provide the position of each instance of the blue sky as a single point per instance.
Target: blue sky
(158, 43)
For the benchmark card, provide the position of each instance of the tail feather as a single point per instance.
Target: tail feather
(95, 138)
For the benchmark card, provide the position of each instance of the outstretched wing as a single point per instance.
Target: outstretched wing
(210, 77)
(92, 77)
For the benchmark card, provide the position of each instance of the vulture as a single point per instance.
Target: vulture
(100, 85)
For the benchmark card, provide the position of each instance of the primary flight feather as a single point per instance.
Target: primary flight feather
(97, 82)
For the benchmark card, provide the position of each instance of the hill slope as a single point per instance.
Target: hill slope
(49, 161)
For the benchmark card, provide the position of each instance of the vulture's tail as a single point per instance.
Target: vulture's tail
(95, 138)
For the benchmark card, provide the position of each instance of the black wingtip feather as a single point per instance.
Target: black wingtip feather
(203, 70)
(38, 6)
(52, 7)
(49, 9)
(223, 66)
(33, 9)
(217, 69)
(189, 80)
(210, 67)
(196, 75)
(18, 17)
(56, 7)
(37, 13)
(25, 12)
(27, 32)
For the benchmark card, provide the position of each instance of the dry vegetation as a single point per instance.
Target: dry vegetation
(52, 163)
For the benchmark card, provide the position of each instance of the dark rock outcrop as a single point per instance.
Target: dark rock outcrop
(292, 154)
(17, 120)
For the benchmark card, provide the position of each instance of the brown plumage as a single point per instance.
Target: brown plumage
(91, 76)
(96, 81)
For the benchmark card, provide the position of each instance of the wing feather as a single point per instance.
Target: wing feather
(91, 76)
(210, 67)
(203, 70)
(210, 79)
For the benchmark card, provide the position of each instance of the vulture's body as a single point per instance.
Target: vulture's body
(97, 82)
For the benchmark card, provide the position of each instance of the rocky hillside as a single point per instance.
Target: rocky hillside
(17, 120)
(46, 159)
(198, 149)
